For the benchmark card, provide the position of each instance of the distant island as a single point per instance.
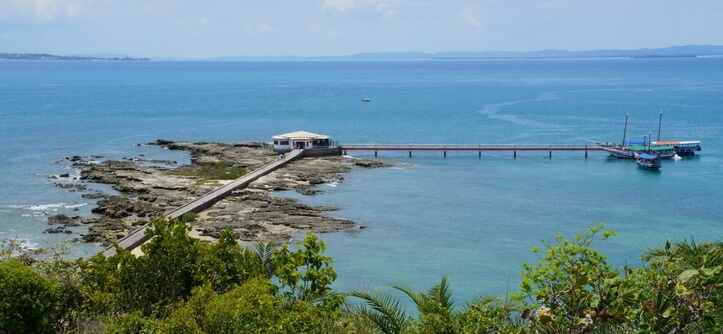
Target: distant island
(45, 56)
(669, 52)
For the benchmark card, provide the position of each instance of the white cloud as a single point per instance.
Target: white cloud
(260, 29)
(339, 5)
(467, 16)
(40, 10)
(266, 28)
(385, 10)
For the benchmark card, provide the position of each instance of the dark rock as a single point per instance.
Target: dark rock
(59, 219)
(94, 196)
(59, 229)
(369, 163)
(161, 142)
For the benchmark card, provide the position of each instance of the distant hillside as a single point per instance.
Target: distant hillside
(674, 51)
(45, 56)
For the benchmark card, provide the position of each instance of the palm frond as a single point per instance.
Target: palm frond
(442, 294)
(419, 298)
(483, 301)
(265, 253)
(383, 310)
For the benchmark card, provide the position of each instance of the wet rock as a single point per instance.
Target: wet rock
(369, 163)
(63, 219)
(59, 229)
(251, 213)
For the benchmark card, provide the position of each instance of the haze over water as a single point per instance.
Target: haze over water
(473, 219)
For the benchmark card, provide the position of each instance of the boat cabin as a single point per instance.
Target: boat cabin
(300, 140)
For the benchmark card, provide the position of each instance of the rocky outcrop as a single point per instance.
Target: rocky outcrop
(253, 214)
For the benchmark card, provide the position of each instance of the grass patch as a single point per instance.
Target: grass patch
(216, 171)
(189, 217)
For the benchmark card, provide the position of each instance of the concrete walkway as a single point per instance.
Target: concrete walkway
(138, 237)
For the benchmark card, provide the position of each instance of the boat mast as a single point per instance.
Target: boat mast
(660, 121)
(625, 130)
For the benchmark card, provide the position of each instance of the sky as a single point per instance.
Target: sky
(309, 28)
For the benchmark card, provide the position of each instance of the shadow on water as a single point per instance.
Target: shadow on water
(646, 171)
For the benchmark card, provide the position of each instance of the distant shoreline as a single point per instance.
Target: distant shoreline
(46, 56)
(684, 51)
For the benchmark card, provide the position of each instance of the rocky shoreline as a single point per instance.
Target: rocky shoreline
(148, 187)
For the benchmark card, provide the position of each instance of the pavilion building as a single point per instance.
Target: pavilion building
(300, 140)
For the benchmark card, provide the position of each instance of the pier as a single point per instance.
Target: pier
(138, 237)
(478, 148)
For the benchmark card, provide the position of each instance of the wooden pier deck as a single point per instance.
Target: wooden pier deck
(478, 148)
(138, 237)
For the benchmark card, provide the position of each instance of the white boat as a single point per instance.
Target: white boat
(688, 147)
(618, 150)
(648, 161)
(627, 149)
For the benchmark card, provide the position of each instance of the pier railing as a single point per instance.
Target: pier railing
(467, 147)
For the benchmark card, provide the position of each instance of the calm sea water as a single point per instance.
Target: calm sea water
(473, 219)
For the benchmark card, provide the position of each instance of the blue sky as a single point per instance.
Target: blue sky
(223, 28)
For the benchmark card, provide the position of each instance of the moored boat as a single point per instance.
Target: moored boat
(688, 147)
(618, 150)
(665, 149)
(662, 151)
(648, 160)
(628, 150)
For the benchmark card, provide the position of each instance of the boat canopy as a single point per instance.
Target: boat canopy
(647, 156)
(654, 148)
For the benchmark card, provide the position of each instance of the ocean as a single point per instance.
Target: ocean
(473, 219)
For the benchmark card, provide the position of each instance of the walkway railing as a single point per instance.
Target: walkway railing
(462, 147)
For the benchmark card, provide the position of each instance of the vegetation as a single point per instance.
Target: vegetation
(181, 285)
(220, 170)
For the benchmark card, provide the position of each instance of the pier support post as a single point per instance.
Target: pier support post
(410, 153)
(479, 154)
(550, 154)
(445, 154)
(375, 154)
(514, 154)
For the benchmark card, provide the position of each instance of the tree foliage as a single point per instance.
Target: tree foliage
(29, 302)
(181, 285)
(306, 274)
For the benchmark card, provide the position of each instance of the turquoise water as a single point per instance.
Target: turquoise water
(473, 219)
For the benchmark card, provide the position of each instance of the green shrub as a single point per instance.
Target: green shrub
(249, 308)
(29, 301)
